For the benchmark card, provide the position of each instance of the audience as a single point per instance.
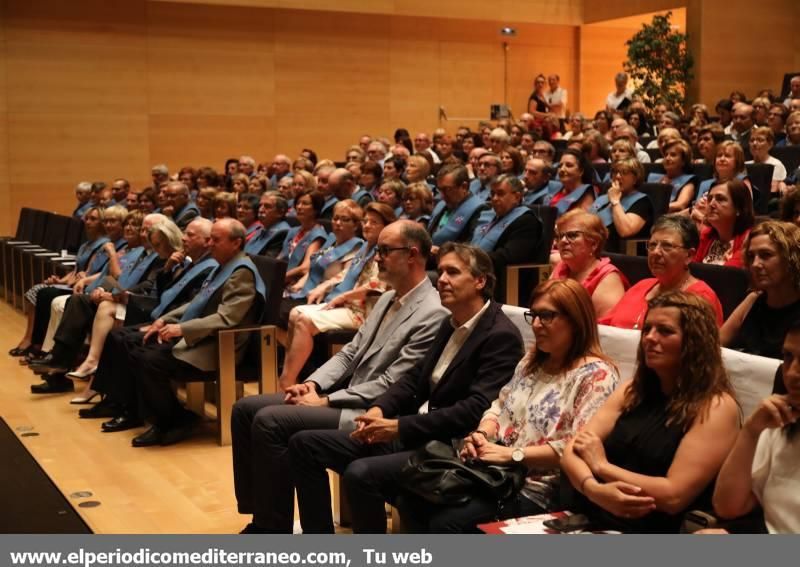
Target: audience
(653, 449)
(760, 470)
(305, 240)
(624, 210)
(555, 390)
(759, 324)
(575, 174)
(580, 237)
(272, 210)
(443, 396)
(672, 246)
(729, 218)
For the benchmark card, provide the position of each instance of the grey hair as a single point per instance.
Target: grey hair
(83, 186)
(513, 182)
(681, 224)
(170, 231)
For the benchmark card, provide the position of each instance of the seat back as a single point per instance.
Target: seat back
(25, 224)
(760, 175)
(654, 154)
(650, 168)
(634, 268)
(702, 171)
(547, 216)
(789, 156)
(40, 220)
(730, 284)
(273, 272)
(75, 235)
(660, 195)
(55, 237)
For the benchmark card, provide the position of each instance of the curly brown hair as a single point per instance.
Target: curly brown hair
(702, 378)
(786, 238)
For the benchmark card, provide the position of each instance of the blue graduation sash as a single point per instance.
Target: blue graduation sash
(169, 295)
(566, 203)
(362, 194)
(550, 189)
(255, 227)
(125, 263)
(133, 273)
(101, 258)
(80, 210)
(475, 185)
(487, 234)
(360, 261)
(330, 202)
(327, 255)
(601, 207)
(296, 257)
(216, 280)
(85, 252)
(705, 186)
(261, 240)
(677, 183)
(457, 221)
(190, 206)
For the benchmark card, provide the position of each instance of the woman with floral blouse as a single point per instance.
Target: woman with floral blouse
(555, 390)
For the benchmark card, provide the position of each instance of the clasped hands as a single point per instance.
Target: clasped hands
(621, 498)
(162, 331)
(478, 448)
(372, 427)
(304, 394)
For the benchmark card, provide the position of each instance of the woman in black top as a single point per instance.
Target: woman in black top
(653, 449)
(537, 102)
(759, 324)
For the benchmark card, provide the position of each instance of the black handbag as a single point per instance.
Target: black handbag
(436, 473)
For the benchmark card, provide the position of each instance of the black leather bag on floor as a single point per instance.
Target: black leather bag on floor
(436, 473)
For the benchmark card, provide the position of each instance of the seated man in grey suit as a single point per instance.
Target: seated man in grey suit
(185, 343)
(394, 337)
(442, 397)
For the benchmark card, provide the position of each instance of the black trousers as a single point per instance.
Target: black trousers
(369, 473)
(41, 314)
(114, 376)
(262, 427)
(153, 366)
(75, 326)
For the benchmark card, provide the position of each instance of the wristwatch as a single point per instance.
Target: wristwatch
(517, 455)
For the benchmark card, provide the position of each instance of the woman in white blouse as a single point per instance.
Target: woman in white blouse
(555, 390)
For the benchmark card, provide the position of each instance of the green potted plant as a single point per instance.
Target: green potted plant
(659, 63)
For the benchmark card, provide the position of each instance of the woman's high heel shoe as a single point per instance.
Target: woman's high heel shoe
(87, 397)
(81, 376)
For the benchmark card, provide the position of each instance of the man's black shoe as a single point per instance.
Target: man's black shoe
(53, 384)
(104, 409)
(149, 438)
(49, 364)
(121, 423)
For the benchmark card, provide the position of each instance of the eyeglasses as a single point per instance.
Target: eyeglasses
(546, 316)
(385, 250)
(570, 235)
(666, 247)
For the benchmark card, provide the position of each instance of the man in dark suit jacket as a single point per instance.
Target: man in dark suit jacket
(442, 397)
(510, 232)
(395, 336)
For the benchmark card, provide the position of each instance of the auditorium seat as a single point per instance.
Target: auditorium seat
(260, 362)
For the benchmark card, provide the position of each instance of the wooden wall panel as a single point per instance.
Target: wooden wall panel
(537, 11)
(331, 81)
(594, 11)
(7, 223)
(744, 57)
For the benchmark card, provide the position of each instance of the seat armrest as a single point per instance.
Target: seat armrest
(512, 279)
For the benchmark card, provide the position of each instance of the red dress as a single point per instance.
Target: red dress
(593, 279)
(630, 311)
(735, 258)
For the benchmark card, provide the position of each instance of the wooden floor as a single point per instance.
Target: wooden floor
(186, 488)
